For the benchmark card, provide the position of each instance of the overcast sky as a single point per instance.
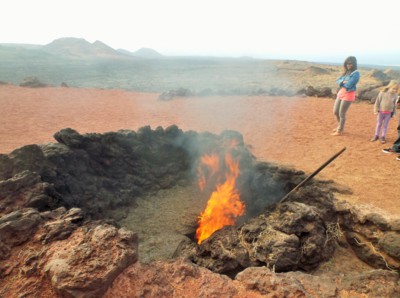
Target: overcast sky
(291, 29)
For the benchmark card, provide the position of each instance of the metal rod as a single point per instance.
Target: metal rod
(312, 175)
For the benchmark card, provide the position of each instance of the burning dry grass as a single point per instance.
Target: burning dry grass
(224, 205)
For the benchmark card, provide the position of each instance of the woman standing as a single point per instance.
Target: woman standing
(346, 94)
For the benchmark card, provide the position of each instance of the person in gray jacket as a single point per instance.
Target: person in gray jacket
(385, 108)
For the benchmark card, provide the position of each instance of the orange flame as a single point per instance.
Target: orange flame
(208, 168)
(224, 205)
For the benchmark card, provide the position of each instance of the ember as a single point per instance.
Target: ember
(224, 205)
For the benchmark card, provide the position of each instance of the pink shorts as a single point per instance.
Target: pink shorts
(347, 96)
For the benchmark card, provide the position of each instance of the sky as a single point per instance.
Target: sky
(287, 29)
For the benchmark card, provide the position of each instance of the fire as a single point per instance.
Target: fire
(209, 168)
(224, 205)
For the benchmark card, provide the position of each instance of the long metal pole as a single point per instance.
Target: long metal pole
(312, 175)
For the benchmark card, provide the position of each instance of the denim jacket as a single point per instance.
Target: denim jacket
(352, 80)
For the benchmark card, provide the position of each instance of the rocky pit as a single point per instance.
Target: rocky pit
(115, 215)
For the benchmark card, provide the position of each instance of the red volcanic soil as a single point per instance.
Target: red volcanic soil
(290, 131)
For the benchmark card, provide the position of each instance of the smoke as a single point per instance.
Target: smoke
(259, 189)
(257, 182)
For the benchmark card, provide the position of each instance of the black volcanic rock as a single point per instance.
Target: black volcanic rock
(101, 172)
(32, 82)
(291, 237)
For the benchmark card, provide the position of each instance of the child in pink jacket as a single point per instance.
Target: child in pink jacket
(385, 108)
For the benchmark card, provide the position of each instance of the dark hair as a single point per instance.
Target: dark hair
(353, 61)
